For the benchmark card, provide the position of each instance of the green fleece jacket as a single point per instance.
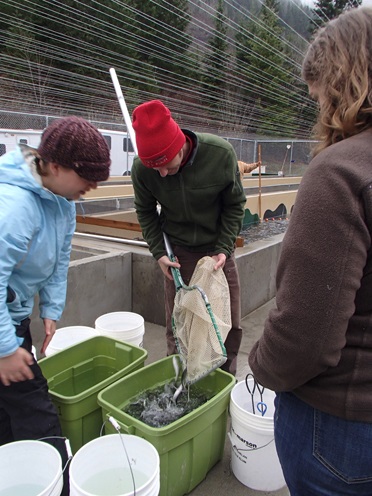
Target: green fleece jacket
(202, 206)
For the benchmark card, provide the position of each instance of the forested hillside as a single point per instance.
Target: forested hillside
(228, 66)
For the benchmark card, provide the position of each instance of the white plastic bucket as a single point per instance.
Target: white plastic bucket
(30, 467)
(123, 326)
(101, 467)
(68, 336)
(254, 460)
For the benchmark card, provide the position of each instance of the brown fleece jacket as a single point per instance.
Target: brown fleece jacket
(317, 343)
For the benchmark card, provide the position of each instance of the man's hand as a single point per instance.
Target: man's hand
(50, 329)
(16, 367)
(220, 260)
(166, 264)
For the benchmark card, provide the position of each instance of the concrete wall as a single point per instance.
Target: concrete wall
(96, 285)
(148, 288)
(257, 269)
(124, 278)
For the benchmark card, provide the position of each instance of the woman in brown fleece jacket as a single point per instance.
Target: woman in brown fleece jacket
(316, 348)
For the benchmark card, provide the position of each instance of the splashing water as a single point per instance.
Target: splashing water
(157, 408)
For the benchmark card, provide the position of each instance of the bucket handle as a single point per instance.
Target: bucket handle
(69, 456)
(129, 429)
(67, 444)
(117, 427)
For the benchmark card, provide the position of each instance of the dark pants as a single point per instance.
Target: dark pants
(26, 409)
(188, 261)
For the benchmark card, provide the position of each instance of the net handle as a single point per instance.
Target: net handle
(178, 281)
(123, 108)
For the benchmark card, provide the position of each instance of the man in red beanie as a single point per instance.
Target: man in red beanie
(195, 178)
(37, 222)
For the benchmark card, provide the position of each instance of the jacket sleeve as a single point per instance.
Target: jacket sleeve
(323, 255)
(233, 206)
(146, 208)
(52, 296)
(16, 233)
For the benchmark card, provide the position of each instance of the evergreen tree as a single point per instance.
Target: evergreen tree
(326, 10)
(72, 37)
(215, 63)
(260, 55)
(297, 19)
(87, 37)
(155, 27)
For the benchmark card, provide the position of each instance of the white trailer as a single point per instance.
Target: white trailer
(121, 149)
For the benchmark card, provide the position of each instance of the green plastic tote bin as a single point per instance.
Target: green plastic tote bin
(76, 374)
(188, 447)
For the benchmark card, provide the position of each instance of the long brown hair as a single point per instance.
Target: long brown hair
(338, 64)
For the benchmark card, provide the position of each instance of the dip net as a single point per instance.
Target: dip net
(201, 320)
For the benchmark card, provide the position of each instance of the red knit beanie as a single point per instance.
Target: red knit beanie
(76, 144)
(158, 136)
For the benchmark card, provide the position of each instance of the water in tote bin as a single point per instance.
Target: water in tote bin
(124, 326)
(77, 374)
(115, 465)
(69, 336)
(254, 460)
(30, 468)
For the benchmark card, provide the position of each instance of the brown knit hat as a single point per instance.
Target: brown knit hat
(76, 144)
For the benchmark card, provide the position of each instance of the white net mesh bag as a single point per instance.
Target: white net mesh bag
(202, 320)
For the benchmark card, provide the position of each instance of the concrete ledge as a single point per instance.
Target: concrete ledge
(148, 288)
(257, 266)
(127, 278)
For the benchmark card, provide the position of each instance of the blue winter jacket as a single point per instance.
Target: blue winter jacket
(36, 228)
